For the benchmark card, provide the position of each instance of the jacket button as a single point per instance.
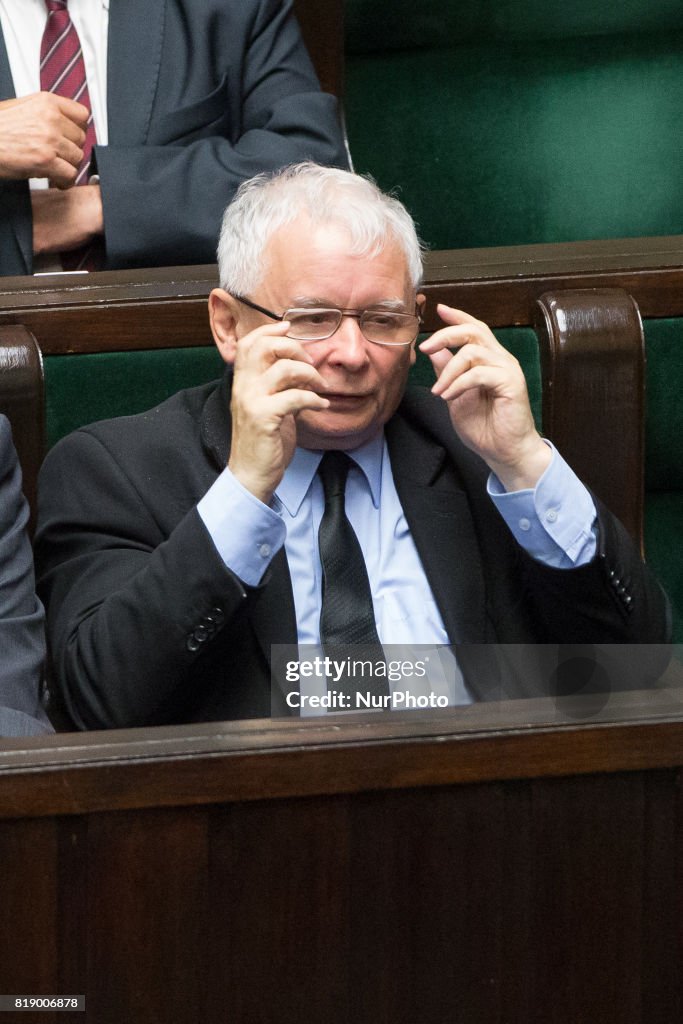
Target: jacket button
(201, 634)
(217, 615)
(192, 643)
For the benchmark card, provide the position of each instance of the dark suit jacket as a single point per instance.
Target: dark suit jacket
(201, 94)
(148, 626)
(22, 645)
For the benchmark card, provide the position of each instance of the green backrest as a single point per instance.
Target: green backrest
(81, 389)
(664, 459)
(505, 122)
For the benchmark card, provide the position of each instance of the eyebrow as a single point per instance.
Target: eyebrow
(308, 302)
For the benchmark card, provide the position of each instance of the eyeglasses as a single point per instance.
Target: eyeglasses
(382, 327)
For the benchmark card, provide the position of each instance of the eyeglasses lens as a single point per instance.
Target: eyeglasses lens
(383, 328)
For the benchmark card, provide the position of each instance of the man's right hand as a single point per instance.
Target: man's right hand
(274, 379)
(41, 136)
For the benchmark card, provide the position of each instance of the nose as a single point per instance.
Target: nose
(348, 347)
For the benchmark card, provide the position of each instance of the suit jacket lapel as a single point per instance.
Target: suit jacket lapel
(6, 84)
(440, 520)
(273, 616)
(133, 59)
(15, 204)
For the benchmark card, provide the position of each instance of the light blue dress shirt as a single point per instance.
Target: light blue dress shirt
(554, 522)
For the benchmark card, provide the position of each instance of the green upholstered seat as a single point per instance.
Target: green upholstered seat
(83, 388)
(664, 459)
(517, 122)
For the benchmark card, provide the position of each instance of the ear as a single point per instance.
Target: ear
(420, 300)
(223, 314)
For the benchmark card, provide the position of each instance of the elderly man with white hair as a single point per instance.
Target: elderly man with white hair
(311, 498)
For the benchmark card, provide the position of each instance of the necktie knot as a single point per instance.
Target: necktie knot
(55, 5)
(333, 471)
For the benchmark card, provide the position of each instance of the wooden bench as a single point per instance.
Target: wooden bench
(508, 861)
(587, 351)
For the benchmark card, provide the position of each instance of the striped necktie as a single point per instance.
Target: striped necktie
(62, 71)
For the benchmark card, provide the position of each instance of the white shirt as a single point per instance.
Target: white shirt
(23, 23)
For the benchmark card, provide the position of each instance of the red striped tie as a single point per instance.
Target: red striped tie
(62, 71)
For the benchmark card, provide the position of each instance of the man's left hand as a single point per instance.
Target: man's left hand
(487, 398)
(65, 220)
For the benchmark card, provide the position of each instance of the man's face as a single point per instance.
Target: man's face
(364, 382)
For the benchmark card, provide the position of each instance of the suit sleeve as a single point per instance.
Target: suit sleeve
(163, 201)
(130, 611)
(21, 614)
(611, 614)
(613, 599)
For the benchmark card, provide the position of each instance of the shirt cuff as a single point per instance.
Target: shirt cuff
(555, 522)
(247, 534)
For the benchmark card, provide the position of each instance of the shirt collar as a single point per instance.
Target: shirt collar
(298, 477)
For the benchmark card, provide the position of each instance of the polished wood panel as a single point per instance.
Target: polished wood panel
(22, 400)
(501, 285)
(226, 761)
(519, 873)
(118, 310)
(112, 310)
(593, 365)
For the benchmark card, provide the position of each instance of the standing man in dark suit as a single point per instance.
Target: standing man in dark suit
(177, 546)
(22, 646)
(189, 99)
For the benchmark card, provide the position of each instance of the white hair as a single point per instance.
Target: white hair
(264, 204)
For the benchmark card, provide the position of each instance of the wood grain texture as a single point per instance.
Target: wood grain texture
(593, 366)
(166, 307)
(509, 902)
(262, 759)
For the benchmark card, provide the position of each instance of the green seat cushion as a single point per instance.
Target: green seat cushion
(524, 130)
(664, 396)
(664, 550)
(83, 388)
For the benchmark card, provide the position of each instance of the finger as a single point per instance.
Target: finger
(451, 366)
(62, 174)
(285, 374)
(72, 109)
(72, 132)
(70, 152)
(488, 378)
(296, 400)
(266, 343)
(457, 336)
(451, 315)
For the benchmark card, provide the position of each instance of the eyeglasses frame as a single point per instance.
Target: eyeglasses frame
(355, 313)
